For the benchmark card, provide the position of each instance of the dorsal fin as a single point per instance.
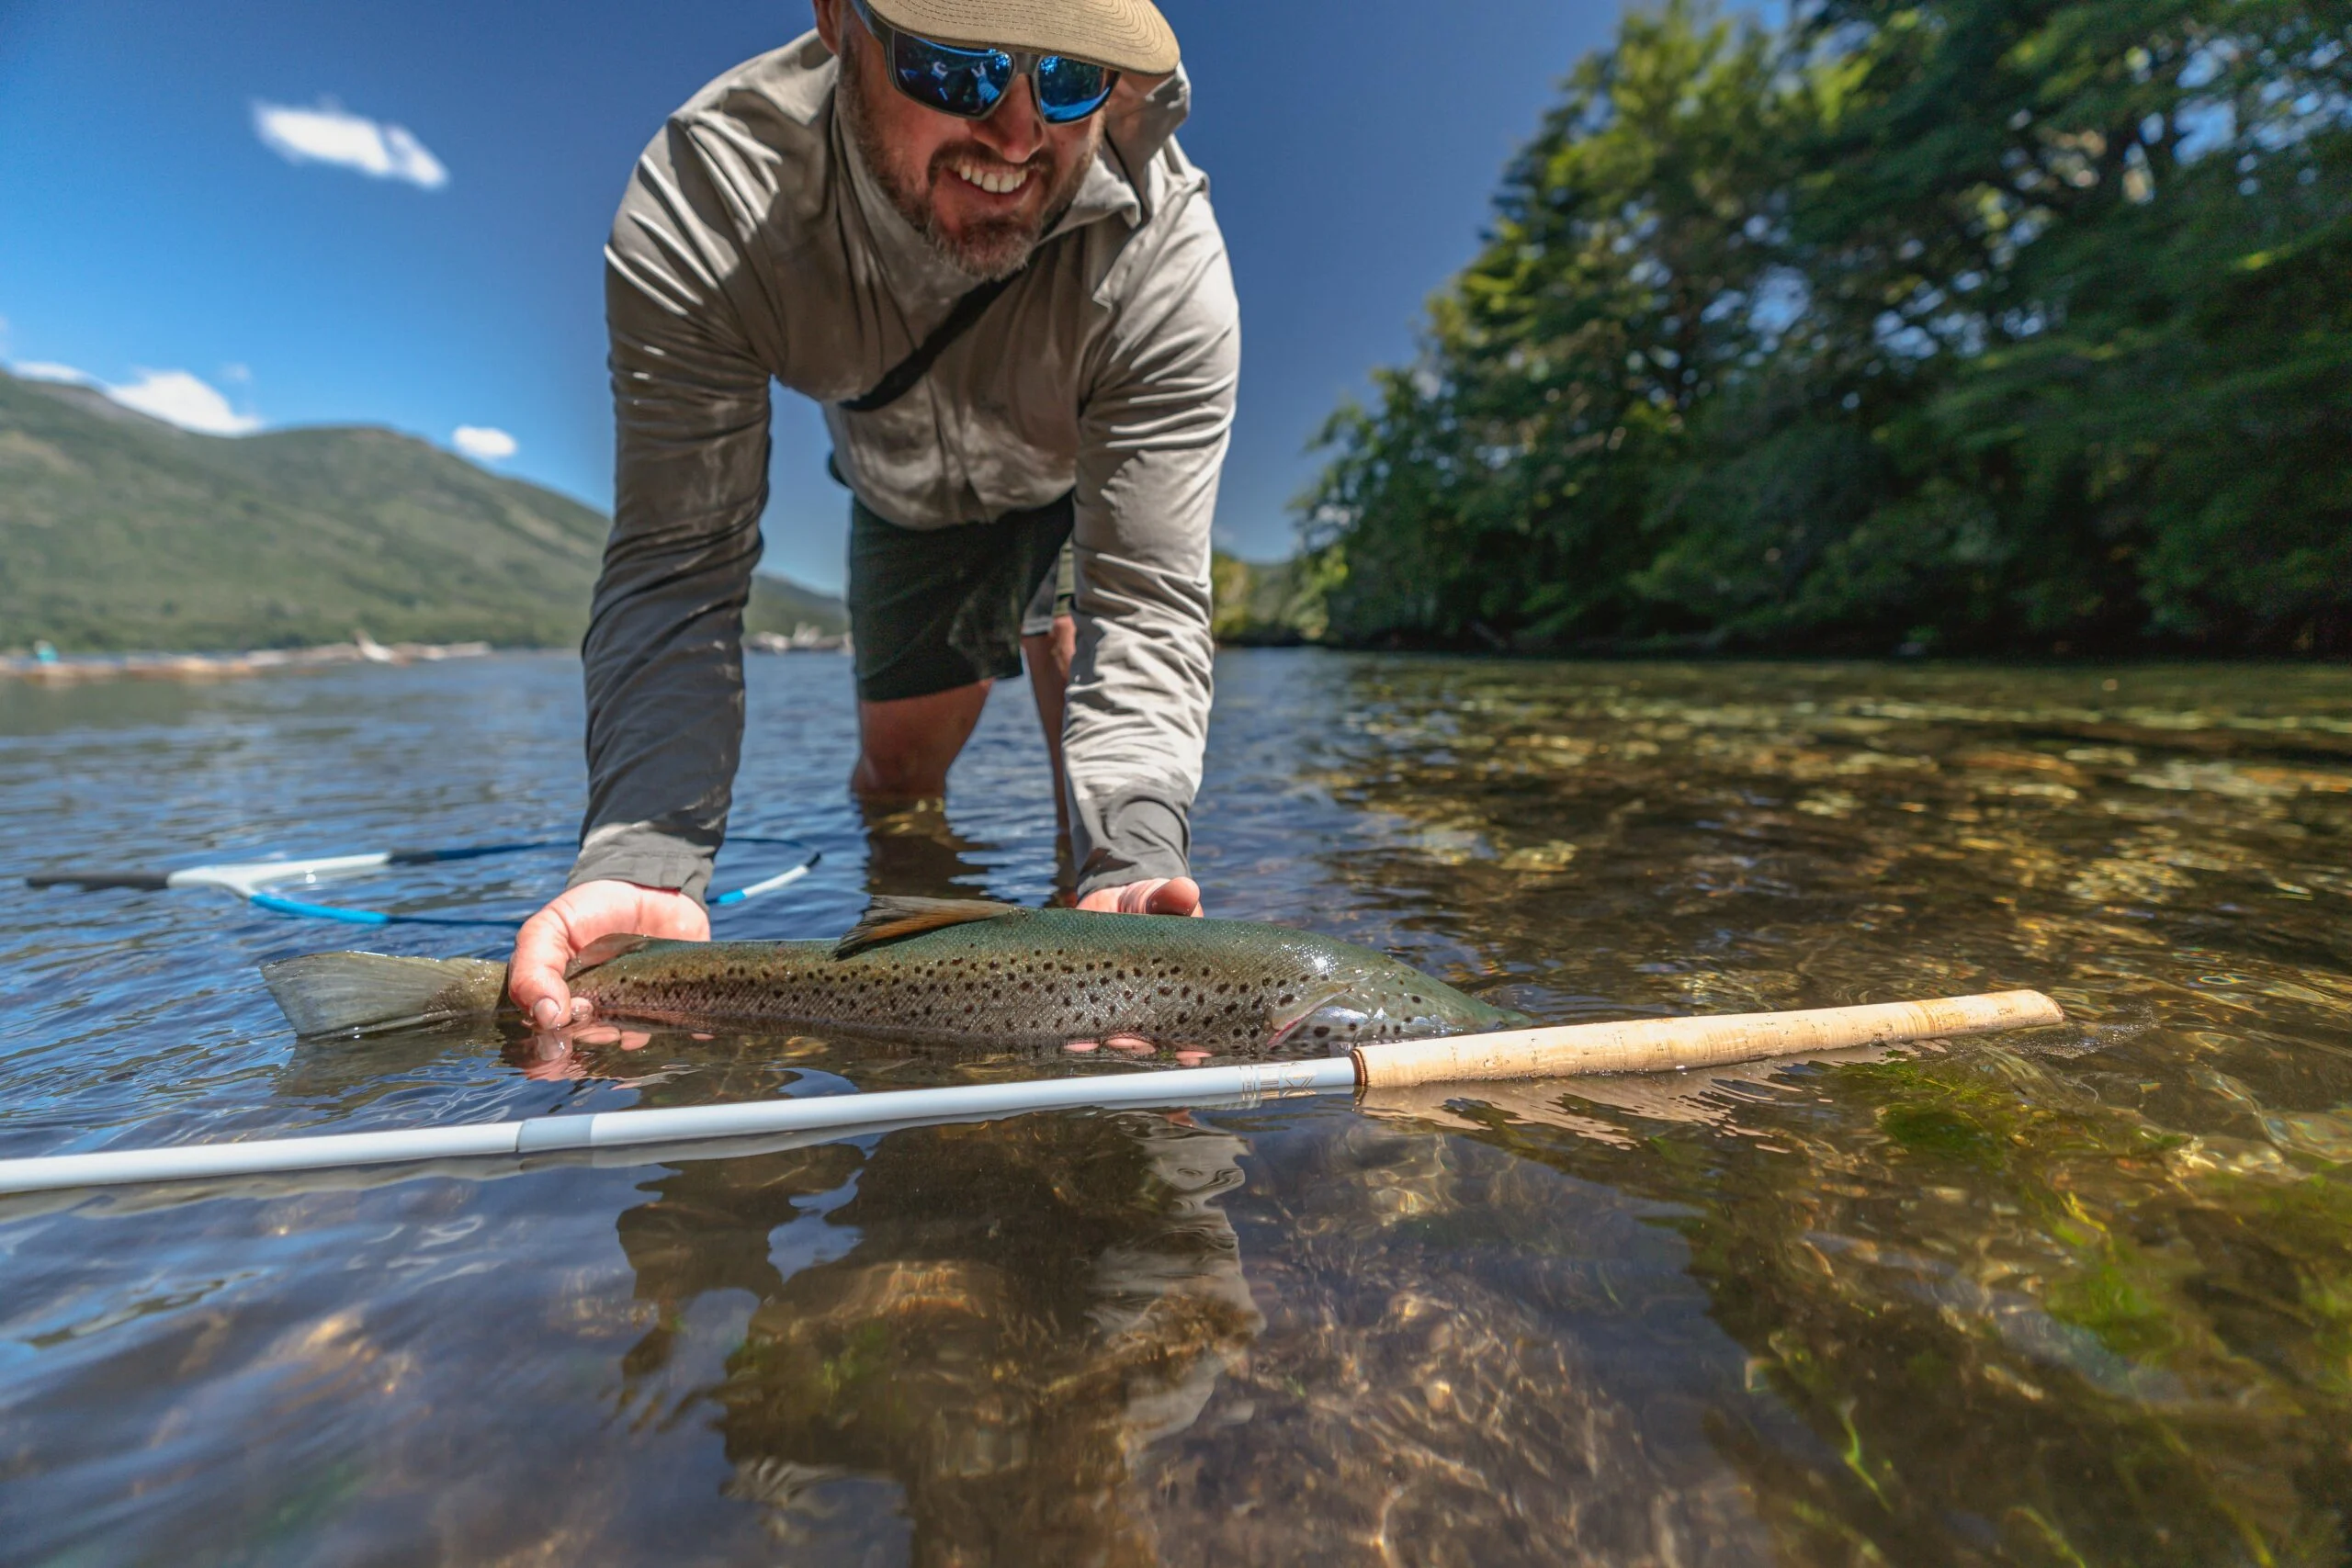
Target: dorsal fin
(604, 950)
(889, 917)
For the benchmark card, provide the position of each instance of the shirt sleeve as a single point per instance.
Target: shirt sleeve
(1153, 432)
(662, 659)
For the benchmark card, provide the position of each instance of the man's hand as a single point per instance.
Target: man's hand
(1160, 896)
(551, 938)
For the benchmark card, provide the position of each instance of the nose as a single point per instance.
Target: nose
(1016, 130)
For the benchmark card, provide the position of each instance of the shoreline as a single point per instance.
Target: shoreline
(71, 669)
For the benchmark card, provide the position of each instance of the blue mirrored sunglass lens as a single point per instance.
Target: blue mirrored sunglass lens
(1071, 89)
(967, 82)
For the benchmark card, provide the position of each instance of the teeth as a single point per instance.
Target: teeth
(998, 181)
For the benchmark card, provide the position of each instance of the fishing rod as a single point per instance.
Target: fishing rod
(1639, 1045)
(258, 882)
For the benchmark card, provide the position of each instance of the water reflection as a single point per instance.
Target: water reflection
(913, 849)
(994, 1319)
(2085, 1296)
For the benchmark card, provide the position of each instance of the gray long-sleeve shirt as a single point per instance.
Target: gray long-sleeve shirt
(753, 245)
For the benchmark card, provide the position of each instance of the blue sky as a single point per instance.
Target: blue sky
(156, 241)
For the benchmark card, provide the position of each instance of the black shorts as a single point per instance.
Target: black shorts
(932, 609)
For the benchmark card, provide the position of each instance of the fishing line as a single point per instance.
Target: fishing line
(256, 881)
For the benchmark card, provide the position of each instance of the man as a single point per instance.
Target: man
(964, 227)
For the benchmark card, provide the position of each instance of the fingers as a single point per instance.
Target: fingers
(1160, 895)
(1176, 896)
(612, 1035)
(551, 938)
(534, 974)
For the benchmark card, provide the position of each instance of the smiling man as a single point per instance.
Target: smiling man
(965, 229)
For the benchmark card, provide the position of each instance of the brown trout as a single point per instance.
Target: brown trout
(944, 972)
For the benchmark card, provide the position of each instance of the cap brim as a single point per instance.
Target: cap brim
(1128, 35)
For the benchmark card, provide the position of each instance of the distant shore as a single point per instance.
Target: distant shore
(49, 668)
(57, 669)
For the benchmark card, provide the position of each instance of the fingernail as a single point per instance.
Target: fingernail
(545, 1014)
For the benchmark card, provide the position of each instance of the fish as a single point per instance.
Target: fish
(944, 972)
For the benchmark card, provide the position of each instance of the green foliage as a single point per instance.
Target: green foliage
(780, 604)
(1995, 326)
(120, 533)
(1273, 604)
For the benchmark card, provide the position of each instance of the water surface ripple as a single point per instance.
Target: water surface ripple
(2082, 1296)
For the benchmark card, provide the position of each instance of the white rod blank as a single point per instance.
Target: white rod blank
(1640, 1045)
(615, 1129)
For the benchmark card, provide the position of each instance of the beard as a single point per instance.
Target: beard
(984, 251)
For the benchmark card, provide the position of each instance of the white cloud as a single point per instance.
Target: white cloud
(177, 397)
(330, 134)
(45, 370)
(482, 443)
(174, 397)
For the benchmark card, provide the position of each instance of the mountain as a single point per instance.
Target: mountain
(120, 532)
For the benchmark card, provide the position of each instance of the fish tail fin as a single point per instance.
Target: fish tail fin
(359, 993)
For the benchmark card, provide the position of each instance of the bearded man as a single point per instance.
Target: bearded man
(964, 228)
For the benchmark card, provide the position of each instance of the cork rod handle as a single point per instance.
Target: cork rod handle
(1653, 1044)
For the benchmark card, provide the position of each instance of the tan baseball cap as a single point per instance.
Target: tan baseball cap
(1130, 35)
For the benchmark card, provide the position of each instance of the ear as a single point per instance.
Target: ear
(1134, 87)
(1130, 103)
(828, 23)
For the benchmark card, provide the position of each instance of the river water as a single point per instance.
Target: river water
(2077, 1296)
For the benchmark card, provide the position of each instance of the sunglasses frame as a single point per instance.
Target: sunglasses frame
(1025, 63)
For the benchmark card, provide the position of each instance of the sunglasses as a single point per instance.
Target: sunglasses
(970, 83)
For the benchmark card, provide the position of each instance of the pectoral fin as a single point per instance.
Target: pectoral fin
(604, 950)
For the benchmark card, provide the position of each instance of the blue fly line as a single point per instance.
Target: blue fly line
(256, 881)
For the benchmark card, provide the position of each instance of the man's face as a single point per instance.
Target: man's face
(983, 192)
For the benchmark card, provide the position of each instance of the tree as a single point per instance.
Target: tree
(1497, 489)
(1979, 324)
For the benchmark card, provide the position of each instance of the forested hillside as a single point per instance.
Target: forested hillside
(118, 532)
(1949, 326)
